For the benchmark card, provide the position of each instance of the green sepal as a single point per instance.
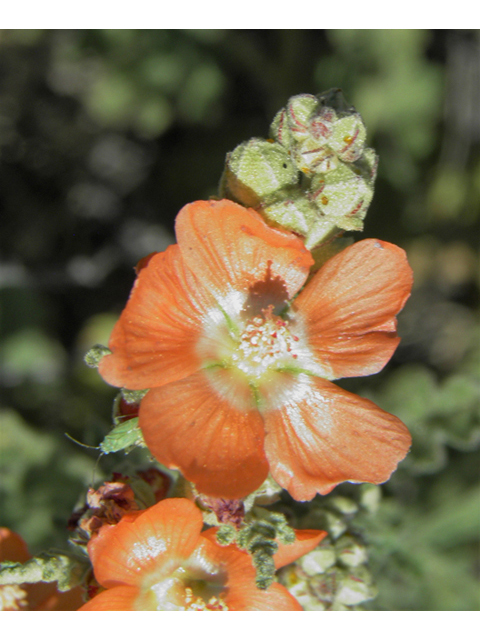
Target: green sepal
(123, 436)
(48, 566)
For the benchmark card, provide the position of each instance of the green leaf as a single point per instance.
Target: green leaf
(123, 436)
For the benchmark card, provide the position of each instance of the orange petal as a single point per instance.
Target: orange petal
(350, 307)
(323, 435)
(62, 601)
(116, 599)
(306, 541)
(154, 341)
(156, 542)
(216, 445)
(242, 594)
(230, 247)
(248, 598)
(12, 546)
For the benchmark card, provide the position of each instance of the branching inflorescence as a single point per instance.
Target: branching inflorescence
(225, 354)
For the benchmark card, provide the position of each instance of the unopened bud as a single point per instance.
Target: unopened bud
(344, 195)
(344, 505)
(315, 177)
(334, 525)
(350, 552)
(356, 588)
(319, 560)
(256, 172)
(370, 497)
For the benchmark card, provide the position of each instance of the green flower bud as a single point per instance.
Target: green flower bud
(355, 588)
(315, 178)
(296, 213)
(312, 158)
(334, 525)
(370, 497)
(256, 172)
(350, 553)
(343, 505)
(299, 214)
(298, 585)
(348, 132)
(344, 195)
(319, 131)
(304, 135)
(280, 131)
(348, 138)
(319, 560)
(291, 124)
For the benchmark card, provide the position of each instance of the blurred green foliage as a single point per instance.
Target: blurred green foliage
(106, 134)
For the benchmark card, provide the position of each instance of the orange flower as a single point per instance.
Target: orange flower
(160, 561)
(41, 596)
(238, 367)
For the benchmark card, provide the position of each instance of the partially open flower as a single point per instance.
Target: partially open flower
(160, 561)
(238, 365)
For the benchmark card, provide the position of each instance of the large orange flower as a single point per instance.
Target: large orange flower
(238, 367)
(160, 561)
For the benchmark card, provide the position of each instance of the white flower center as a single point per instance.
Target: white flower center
(266, 342)
(197, 584)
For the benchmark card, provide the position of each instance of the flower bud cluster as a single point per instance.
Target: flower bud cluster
(335, 575)
(314, 176)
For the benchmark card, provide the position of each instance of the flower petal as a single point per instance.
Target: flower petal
(154, 341)
(155, 543)
(306, 541)
(243, 597)
(116, 599)
(242, 594)
(322, 435)
(62, 601)
(216, 445)
(350, 307)
(12, 546)
(230, 247)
